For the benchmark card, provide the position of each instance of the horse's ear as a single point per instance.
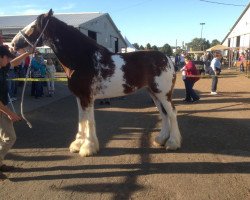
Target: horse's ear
(49, 14)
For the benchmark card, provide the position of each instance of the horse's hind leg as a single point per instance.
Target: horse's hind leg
(167, 108)
(164, 133)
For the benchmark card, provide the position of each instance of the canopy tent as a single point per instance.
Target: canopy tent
(218, 47)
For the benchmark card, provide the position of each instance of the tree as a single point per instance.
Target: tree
(136, 45)
(141, 47)
(166, 49)
(215, 42)
(199, 44)
(148, 46)
(154, 47)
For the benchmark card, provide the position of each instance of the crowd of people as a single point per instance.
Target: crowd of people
(42, 69)
(39, 68)
(190, 74)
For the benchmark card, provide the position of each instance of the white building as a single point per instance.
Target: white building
(239, 35)
(98, 26)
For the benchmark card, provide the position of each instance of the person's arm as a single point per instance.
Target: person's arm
(11, 115)
(17, 61)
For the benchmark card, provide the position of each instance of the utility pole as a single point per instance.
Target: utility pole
(202, 24)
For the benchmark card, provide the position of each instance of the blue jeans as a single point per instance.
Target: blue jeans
(214, 79)
(36, 89)
(12, 85)
(190, 93)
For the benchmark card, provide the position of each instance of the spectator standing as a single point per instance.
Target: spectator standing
(1, 39)
(50, 73)
(38, 70)
(176, 61)
(189, 72)
(242, 58)
(215, 70)
(12, 85)
(182, 60)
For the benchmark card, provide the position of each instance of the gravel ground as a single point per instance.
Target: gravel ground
(213, 163)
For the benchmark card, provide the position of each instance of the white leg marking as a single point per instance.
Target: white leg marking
(161, 139)
(76, 145)
(174, 141)
(90, 144)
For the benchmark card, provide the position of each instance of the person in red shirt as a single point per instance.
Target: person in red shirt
(1, 39)
(189, 71)
(242, 58)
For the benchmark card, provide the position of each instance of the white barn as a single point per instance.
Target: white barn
(239, 35)
(98, 26)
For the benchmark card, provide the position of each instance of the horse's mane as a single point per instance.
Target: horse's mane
(71, 46)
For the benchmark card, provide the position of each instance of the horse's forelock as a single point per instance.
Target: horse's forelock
(42, 20)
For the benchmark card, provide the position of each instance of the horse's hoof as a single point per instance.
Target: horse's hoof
(75, 146)
(159, 141)
(172, 145)
(88, 150)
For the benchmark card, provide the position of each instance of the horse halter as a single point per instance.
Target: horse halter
(28, 70)
(37, 40)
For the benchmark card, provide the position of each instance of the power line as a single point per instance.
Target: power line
(226, 4)
(131, 6)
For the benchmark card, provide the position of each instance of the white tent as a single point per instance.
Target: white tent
(130, 47)
(218, 47)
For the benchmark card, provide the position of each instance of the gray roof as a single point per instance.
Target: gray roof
(21, 21)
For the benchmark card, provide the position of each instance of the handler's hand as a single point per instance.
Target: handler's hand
(14, 117)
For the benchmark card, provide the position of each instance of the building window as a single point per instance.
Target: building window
(238, 41)
(229, 42)
(114, 43)
(92, 35)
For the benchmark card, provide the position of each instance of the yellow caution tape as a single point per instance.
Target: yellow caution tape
(39, 79)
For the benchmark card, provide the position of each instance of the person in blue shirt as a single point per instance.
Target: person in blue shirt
(38, 70)
(215, 69)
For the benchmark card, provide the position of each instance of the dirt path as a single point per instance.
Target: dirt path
(213, 163)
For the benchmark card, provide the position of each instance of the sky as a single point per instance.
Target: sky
(157, 22)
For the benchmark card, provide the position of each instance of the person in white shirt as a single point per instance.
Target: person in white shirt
(215, 70)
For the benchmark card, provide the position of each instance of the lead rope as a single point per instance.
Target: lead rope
(28, 70)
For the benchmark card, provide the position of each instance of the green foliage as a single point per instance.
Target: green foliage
(141, 48)
(136, 45)
(215, 42)
(199, 44)
(148, 46)
(166, 49)
(154, 47)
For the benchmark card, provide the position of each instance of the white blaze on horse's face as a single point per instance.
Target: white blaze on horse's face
(19, 41)
(28, 30)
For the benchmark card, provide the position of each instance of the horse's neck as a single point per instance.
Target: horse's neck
(70, 46)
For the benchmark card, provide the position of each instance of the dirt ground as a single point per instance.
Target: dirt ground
(213, 163)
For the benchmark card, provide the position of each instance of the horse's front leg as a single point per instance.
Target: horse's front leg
(86, 142)
(77, 143)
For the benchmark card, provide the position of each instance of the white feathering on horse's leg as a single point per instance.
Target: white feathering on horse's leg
(89, 147)
(161, 139)
(91, 144)
(75, 146)
(174, 141)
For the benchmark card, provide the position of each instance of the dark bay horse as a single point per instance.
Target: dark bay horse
(94, 72)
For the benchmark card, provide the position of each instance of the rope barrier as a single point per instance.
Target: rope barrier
(64, 79)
